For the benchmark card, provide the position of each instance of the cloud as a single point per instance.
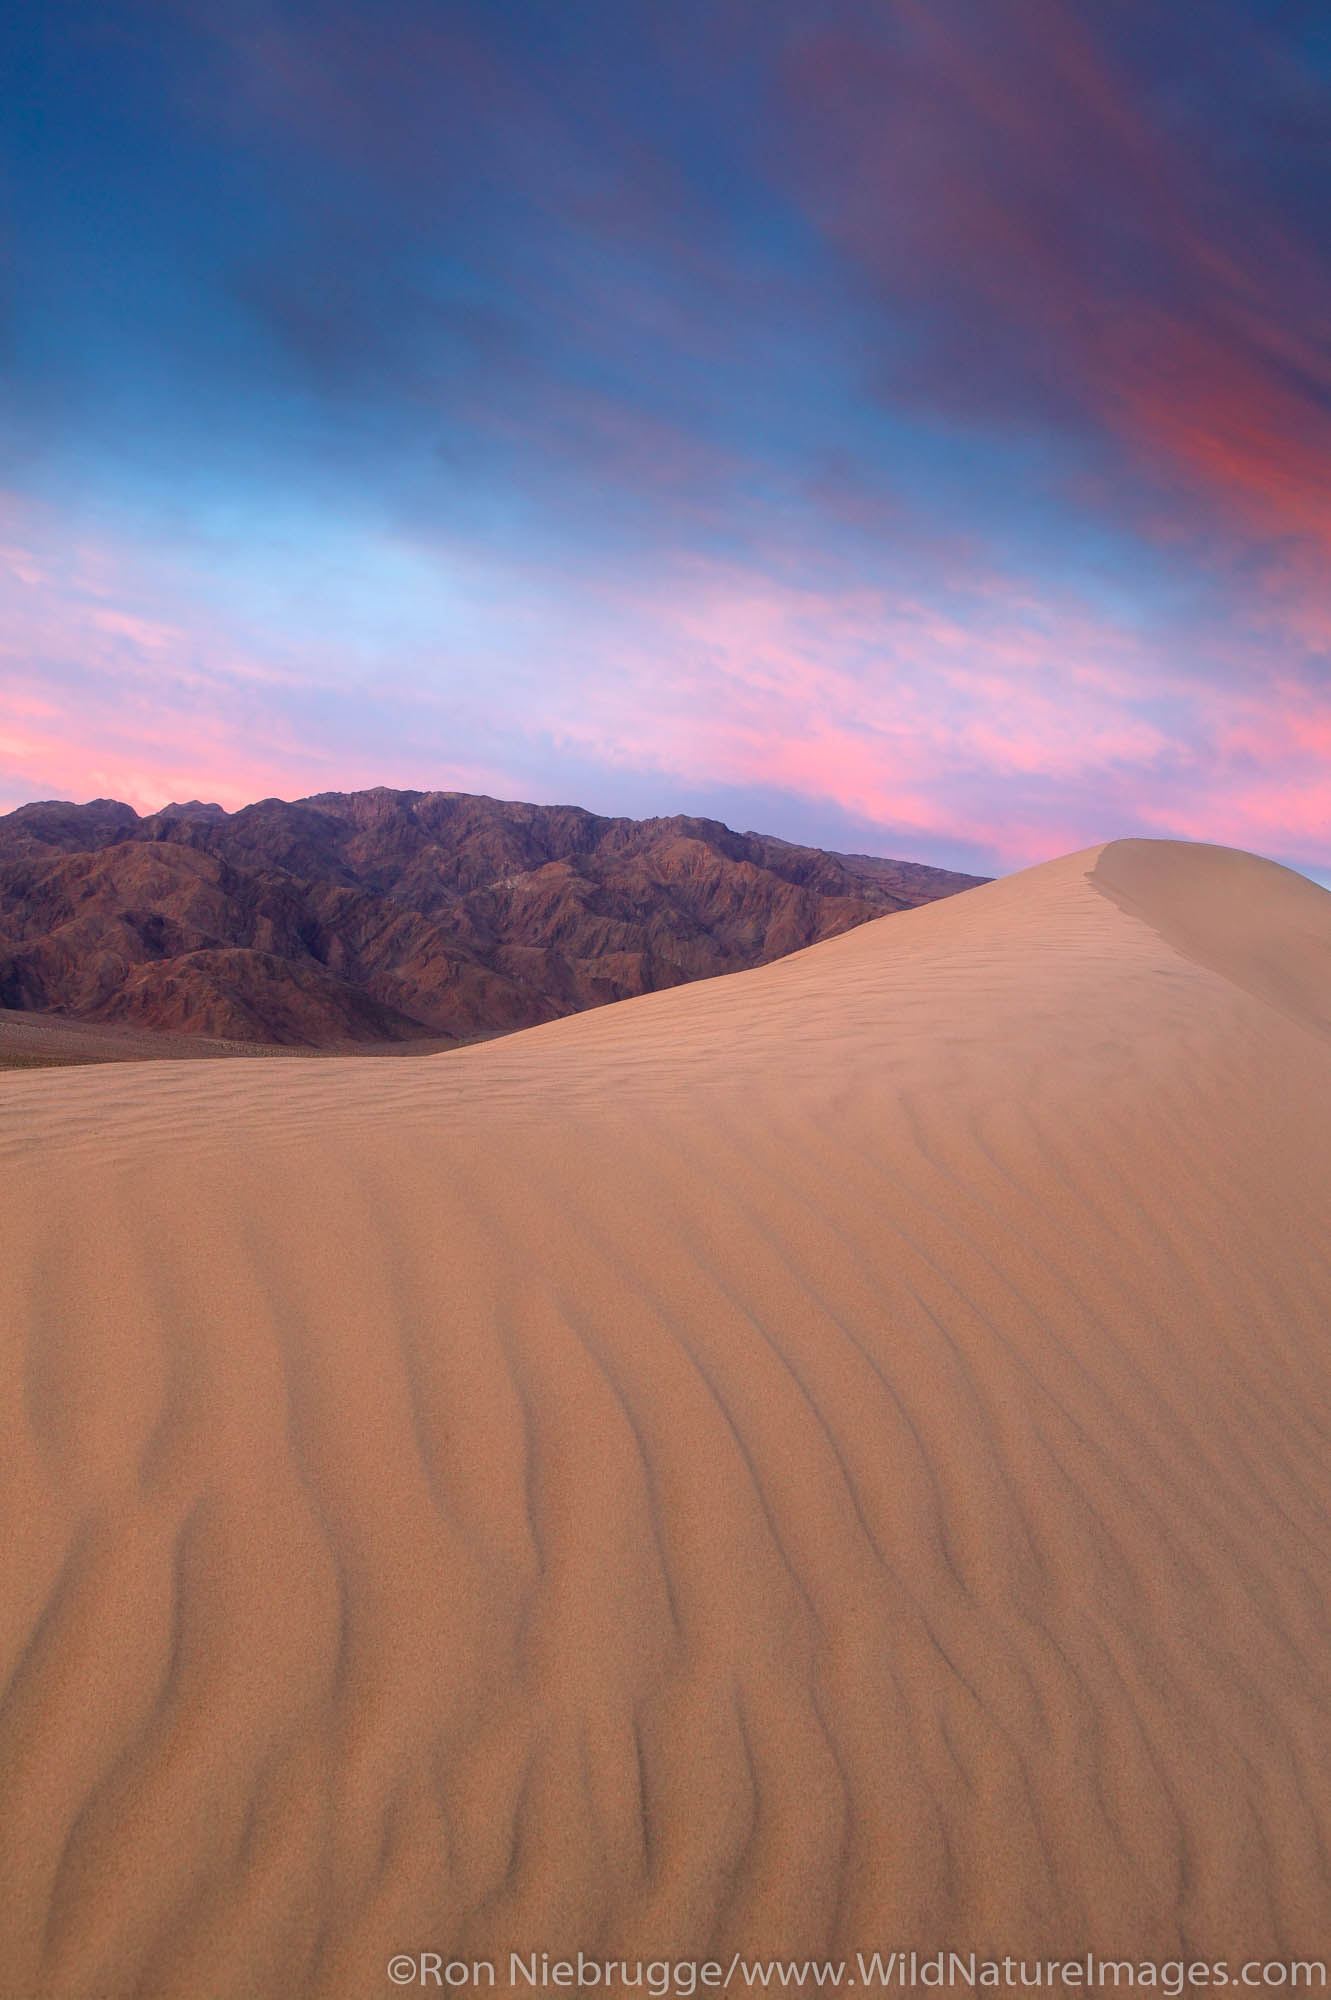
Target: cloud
(1079, 239)
(118, 675)
(919, 412)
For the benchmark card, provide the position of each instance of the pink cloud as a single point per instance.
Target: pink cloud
(100, 692)
(1021, 722)
(1070, 253)
(1026, 723)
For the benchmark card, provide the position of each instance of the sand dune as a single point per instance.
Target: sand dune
(827, 1459)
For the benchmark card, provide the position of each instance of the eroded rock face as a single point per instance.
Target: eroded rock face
(370, 915)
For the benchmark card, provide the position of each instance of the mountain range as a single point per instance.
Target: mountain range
(385, 915)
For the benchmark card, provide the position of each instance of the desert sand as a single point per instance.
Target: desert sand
(831, 1458)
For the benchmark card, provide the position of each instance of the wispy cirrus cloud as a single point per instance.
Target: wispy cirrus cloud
(991, 721)
(1087, 234)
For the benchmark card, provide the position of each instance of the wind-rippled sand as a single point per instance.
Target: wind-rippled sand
(827, 1459)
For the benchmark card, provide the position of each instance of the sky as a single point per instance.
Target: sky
(904, 427)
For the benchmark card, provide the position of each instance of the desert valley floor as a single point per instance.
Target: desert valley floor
(829, 1458)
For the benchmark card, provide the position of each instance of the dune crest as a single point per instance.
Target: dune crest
(1255, 922)
(832, 1458)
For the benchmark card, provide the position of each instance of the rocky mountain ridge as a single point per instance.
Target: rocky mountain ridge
(363, 916)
